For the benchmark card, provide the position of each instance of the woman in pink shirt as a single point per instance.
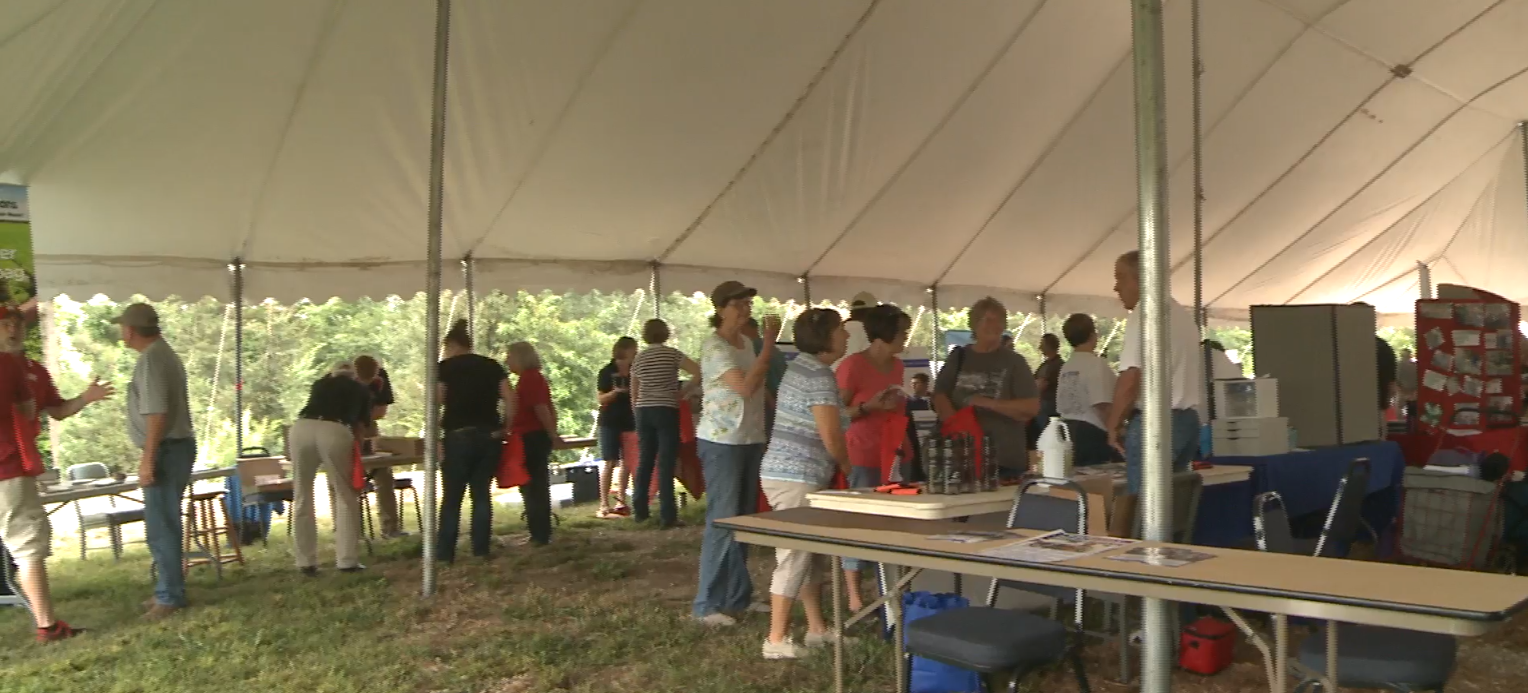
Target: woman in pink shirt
(870, 383)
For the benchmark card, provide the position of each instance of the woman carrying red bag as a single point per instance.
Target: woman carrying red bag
(472, 386)
(337, 414)
(989, 390)
(535, 423)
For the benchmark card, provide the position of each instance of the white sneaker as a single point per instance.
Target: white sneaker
(718, 620)
(784, 649)
(825, 639)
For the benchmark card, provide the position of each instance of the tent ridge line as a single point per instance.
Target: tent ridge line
(545, 144)
(955, 109)
(1443, 254)
(1460, 108)
(1386, 231)
(769, 139)
(1349, 199)
(1050, 148)
(320, 44)
(1184, 159)
(91, 77)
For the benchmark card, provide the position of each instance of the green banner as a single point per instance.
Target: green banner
(18, 274)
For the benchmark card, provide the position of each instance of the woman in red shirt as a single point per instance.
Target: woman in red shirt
(870, 383)
(536, 423)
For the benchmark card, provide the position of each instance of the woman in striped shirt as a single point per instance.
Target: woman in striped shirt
(655, 398)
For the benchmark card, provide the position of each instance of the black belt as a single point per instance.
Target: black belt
(329, 419)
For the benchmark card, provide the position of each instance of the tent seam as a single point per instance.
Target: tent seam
(769, 139)
(955, 109)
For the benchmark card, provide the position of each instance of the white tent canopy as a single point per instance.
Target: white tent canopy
(981, 145)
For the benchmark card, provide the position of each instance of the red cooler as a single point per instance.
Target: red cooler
(1207, 646)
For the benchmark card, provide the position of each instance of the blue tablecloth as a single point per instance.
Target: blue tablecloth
(1307, 481)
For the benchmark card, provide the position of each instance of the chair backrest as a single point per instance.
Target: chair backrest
(87, 471)
(1047, 512)
(251, 468)
(1270, 524)
(1187, 488)
(1346, 512)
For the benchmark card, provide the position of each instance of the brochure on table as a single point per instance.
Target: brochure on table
(1057, 546)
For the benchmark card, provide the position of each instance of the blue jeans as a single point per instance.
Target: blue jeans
(1185, 443)
(471, 462)
(732, 487)
(862, 477)
(658, 440)
(162, 520)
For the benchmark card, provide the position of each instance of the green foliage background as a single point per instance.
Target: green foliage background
(286, 347)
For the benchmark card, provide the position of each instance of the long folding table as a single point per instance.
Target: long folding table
(1380, 594)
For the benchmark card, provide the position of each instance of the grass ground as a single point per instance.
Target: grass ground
(603, 609)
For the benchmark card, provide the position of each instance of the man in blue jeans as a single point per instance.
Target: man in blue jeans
(159, 423)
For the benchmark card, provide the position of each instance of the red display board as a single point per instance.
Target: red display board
(1469, 374)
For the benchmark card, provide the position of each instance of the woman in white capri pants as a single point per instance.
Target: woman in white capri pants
(806, 448)
(337, 415)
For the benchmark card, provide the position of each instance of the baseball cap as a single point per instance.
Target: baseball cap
(863, 299)
(725, 292)
(138, 315)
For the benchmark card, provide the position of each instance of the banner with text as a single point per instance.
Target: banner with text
(18, 275)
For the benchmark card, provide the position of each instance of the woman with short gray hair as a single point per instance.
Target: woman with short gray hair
(536, 423)
(994, 382)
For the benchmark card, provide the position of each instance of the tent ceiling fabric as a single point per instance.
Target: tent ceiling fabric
(874, 144)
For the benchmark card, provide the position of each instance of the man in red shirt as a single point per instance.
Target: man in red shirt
(26, 390)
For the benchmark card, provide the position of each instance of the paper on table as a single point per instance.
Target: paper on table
(970, 537)
(1163, 556)
(1056, 546)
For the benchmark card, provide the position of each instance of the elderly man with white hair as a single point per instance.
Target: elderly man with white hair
(337, 415)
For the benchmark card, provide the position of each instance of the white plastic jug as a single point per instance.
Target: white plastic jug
(1055, 446)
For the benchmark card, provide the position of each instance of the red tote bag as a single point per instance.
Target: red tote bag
(512, 470)
(893, 439)
(964, 422)
(357, 468)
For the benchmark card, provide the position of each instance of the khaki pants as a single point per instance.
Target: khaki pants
(793, 568)
(328, 445)
(387, 500)
(24, 525)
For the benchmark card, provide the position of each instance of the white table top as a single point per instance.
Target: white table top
(926, 506)
(81, 491)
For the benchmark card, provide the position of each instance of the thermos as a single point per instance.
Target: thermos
(989, 465)
(934, 458)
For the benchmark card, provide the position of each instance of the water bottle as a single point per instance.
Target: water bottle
(989, 465)
(1055, 447)
(949, 465)
(954, 468)
(969, 481)
(934, 459)
(896, 475)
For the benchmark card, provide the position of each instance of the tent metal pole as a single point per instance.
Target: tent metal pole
(655, 287)
(933, 306)
(1522, 134)
(1044, 312)
(806, 290)
(432, 289)
(1151, 182)
(238, 355)
(1201, 313)
(1424, 280)
(467, 271)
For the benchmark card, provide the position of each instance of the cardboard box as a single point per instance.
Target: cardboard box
(1108, 513)
(405, 447)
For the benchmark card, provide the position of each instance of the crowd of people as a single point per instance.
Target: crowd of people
(841, 409)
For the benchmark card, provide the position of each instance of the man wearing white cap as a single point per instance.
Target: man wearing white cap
(861, 306)
(159, 423)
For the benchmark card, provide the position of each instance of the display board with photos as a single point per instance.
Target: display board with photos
(1468, 366)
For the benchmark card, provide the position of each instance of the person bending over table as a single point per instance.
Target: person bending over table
(1185, 377)
(535, 421)
(616, 423)
(994, 381)
(471, 388)
(730, 443)
(869, 384)
(374, 377)
(806, 448)
(325, 434)
(24, 525)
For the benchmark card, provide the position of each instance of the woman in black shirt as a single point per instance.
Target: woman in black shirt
(617, 423)
(471, 386)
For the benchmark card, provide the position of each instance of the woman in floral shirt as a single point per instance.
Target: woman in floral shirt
(731, 445)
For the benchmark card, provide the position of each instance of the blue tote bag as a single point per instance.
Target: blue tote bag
(929, 676)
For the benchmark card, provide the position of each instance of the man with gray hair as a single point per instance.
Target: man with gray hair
(159, 423)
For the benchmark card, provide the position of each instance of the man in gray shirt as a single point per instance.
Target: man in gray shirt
(159, 422)
(996, 382)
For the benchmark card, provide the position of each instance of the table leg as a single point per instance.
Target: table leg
(1281, 653)
(1257, 641)
(879, 603)
(1331, 657)
(837, 576)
